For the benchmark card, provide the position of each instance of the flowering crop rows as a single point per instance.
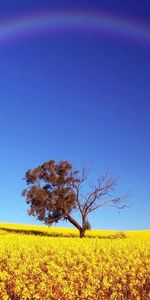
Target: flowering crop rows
(39, 267)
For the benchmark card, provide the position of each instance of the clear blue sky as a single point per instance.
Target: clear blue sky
(79, 97)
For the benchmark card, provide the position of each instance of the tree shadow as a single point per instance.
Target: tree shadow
(118, 235)
(25, 231)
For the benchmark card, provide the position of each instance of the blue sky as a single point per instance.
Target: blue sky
(79, 97)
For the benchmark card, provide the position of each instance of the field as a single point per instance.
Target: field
(53, 263)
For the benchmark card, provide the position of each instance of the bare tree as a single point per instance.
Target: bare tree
(55, 190)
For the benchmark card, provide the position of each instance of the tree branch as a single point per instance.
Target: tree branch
(116, 201)
(72, 221)
(104, 185)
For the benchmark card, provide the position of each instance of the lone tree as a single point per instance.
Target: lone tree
(55, 190)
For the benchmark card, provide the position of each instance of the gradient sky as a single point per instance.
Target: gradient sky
(79, 97)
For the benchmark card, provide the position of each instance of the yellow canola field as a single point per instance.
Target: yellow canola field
(63, 268)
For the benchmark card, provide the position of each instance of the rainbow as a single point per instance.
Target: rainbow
(79, 22)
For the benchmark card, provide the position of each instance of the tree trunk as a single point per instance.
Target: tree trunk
(82, 232)
(76, 224)
(73, 221)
